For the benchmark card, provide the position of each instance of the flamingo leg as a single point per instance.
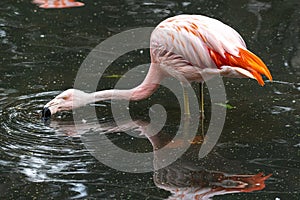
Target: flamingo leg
(186, 103)
(202, 107)
(202, 100)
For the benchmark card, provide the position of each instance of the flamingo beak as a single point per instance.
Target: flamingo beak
(49, 109)
(46, 114)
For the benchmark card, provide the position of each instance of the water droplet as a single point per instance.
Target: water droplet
(2, 33)
(184, 4)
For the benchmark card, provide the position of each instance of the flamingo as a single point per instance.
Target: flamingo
(57, 3)
(191, 48)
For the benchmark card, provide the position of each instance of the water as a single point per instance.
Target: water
(41, 51)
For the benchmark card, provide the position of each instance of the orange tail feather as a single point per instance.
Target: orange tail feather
(254, 64)
(246, 60)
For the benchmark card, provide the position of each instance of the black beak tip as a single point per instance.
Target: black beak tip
(46, 114)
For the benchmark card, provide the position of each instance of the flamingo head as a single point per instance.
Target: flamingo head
(67, 100)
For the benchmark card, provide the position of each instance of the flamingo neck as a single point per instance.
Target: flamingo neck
(142, 91)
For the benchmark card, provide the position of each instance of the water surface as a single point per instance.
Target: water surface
(41, 51)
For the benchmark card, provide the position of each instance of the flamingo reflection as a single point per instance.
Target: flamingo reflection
(187, 178)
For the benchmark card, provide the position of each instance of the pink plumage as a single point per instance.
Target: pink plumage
(207, 46)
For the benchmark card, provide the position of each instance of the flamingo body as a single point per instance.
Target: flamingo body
(205, 45)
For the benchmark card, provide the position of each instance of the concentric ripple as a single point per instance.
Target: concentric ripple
(36, 150)
(21, 117)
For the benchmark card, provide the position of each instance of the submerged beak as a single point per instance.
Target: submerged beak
(46, 114)
(50, 108)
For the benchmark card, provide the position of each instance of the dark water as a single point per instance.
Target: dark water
(41, 51)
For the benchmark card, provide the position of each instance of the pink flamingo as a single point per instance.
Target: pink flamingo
(191, 48)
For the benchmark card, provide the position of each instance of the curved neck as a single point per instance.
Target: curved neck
(142, 91)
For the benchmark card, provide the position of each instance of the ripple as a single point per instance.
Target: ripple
(280, 109)
(284, 87)
(35, 149)
(277, 163)
(21, 115)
